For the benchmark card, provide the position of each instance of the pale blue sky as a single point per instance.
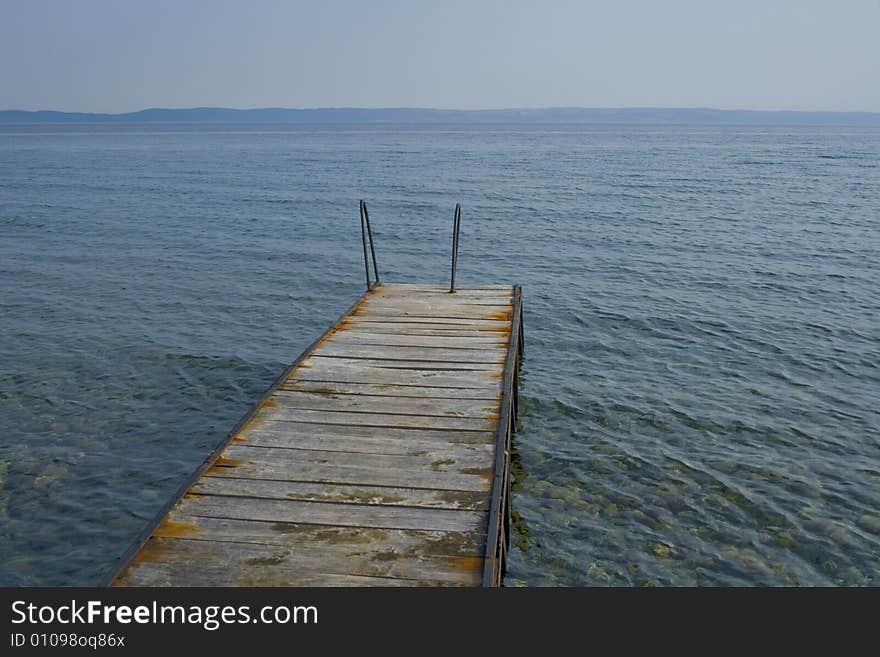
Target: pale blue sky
(123, 55)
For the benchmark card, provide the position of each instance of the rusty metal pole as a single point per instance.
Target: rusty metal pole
(372, 247)
(364, 240)
(456, 227)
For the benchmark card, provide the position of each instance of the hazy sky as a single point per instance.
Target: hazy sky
(123, 55)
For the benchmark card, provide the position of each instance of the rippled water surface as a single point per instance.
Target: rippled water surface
(701, 385)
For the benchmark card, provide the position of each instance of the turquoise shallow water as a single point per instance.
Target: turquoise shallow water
(701, 385)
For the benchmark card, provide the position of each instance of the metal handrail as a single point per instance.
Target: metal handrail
(456, 229)
(366, 231)
(367, 234)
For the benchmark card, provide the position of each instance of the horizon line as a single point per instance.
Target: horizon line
(445, 109)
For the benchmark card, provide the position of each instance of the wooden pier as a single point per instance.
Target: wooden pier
(380, 457)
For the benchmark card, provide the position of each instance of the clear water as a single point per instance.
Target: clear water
(702, 313)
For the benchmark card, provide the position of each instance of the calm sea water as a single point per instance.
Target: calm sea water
(701, 385)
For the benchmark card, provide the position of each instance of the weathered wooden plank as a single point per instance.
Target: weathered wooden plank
(310, 492)
(372, 419)
(488, 392)
(428, 288)
(376, 332)
(454, 436)
(461, 470)
(319, 360)
(202, 571)
(342, 373)
(332, 473)
(418, 542)
(377, 338)
(430, 291)
(439, 326)
(331, 513)
(437, 330)
(490, 323)
(264, 565)
(447, 300)
(439, 300)
(429, 461)
(327, 439)
(434, 330)
(409, 352)
(448, 407)
(430, 315)
(506, 295)
(478, 304)
(427, 292)
(399, 305)
(405, 322)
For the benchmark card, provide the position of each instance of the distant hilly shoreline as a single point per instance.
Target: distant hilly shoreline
(633, 115)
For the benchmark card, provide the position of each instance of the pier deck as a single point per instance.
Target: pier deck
(380, 457)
